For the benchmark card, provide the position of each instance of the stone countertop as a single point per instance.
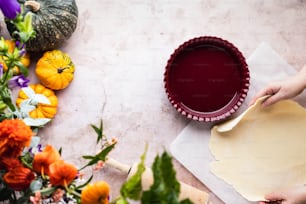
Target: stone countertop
(120, 49)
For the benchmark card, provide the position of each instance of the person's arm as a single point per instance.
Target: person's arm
(284, 89)
(291, 196)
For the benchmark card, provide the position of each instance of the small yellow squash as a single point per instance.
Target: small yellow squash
(25, 59)
(96, 193)
(55, 70)
(41, 110)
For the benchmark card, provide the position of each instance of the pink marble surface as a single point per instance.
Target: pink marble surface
(120, 49)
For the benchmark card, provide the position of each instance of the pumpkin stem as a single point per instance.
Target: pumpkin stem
(34, 5)
(60, 70)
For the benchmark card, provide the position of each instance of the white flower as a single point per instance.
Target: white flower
(30, 104)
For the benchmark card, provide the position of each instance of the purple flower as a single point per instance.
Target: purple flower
(18, 81)
(22, 52)
(1, 70)
(10, 8)
(34, 150)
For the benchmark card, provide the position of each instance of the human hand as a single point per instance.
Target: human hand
(295, 195)
(279, 90)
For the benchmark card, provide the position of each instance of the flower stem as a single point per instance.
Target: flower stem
(71, 191)
(78, 195)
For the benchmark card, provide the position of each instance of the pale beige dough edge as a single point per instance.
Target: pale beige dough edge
(264, 152)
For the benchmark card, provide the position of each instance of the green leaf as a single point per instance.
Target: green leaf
(47, 191)
(25, 28)
(166, 188)
(22, 68)
(28, 22)
(132, 187)
(5, 194)
(120, 201)
(2, 106)
(60, 150)
(27, 160)
(100, 156)
(88, 157)
(186, 201)
(84, 184)
(99, 131)
(6, 98)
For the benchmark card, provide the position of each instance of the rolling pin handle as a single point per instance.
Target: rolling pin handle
(118, 165)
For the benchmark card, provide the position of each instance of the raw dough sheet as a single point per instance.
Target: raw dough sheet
(264, 152)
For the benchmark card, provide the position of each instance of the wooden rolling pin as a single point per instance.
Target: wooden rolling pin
(195, 195)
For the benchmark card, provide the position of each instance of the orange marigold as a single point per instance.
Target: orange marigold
(96, 193)
(14, 136)
(62, 173)
(9, 163)
(19, 178)
(42, 160)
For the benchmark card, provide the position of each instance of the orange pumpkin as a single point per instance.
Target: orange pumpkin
(25, 59)
(41, 110)
(55, 70)
(96, 193)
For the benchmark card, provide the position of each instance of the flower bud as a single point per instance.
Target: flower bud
(10, 8)
(19, 178)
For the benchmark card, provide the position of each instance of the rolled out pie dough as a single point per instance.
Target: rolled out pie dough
(264, 152)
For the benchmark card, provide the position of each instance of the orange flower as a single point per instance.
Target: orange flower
(8, 163)
(14, 136)
(44, 159)
(97, 193)
(19, 178)
(62, 173)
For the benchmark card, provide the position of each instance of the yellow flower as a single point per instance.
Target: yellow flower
(44, 159)
(14, 136)
(96, 193)
(25, 60)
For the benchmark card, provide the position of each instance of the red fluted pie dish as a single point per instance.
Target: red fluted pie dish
(206, 79)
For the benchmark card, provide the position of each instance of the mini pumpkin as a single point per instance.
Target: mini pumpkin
(55, 70)
(95, 193)
(41, 110)
(25, 59)
(53, 21)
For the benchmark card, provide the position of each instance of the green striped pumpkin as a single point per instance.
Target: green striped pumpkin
(54, 21)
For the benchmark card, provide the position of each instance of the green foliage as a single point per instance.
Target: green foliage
(25, 30)
(164, 190)
(106, 147)
(99, 131)
(132, 188)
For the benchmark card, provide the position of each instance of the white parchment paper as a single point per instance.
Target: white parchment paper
(191, 145)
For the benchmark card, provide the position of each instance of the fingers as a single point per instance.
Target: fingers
(271, 100)
(273, 198)
(271, 90)
(276, 197)
(271, 202)
(257, 96)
